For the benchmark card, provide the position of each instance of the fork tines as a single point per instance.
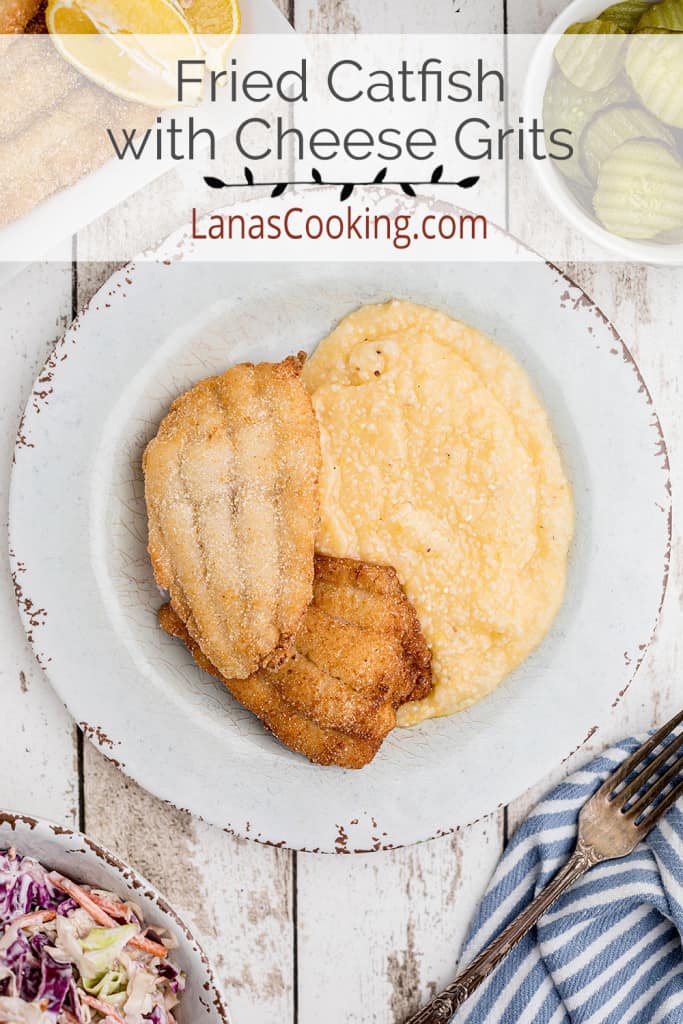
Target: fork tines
(647, 786)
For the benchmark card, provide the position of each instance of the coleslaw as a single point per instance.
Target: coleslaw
(74, 954)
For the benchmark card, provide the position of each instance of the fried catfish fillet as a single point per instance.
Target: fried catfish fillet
(15, 15)
(358, 656)
(231, 484)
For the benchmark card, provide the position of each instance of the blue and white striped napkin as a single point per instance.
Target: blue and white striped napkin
(611, 950)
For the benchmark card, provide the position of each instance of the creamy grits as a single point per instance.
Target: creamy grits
(438, 459)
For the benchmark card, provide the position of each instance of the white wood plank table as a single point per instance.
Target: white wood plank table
(300, 938)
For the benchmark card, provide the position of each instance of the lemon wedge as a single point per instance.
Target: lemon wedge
(128, 47)
(217, 22)
(212, 17)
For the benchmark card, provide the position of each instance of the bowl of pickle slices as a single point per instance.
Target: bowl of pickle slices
(613, 77)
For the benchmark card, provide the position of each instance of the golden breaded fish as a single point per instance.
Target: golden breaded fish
(41, 80)
(15, 15)
(358, 656)
(51, 142)
(231, 484)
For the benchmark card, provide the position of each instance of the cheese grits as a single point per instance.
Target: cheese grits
(438, 459)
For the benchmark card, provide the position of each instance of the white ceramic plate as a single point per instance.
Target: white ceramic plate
(84, 860)
(85, 587)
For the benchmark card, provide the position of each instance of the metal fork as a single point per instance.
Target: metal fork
(611, 824)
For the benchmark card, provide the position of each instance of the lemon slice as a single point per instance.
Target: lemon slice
(128, 47)
(217, 22)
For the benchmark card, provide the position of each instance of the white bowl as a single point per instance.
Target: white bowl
(552, 181)
(83, 860)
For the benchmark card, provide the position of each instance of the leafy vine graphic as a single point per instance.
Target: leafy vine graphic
(346, 187)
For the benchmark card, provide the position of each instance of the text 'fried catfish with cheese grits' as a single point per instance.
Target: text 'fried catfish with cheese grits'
(358, 656)
(231, 484)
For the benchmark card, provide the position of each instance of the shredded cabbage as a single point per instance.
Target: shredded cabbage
(74, 953)
(102, 948)
(20, 1012)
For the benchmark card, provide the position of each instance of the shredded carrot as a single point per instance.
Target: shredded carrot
(82, 898)
(36, 917)
(117, 910)
(148, 946)
(106, 1008)
(88, 902)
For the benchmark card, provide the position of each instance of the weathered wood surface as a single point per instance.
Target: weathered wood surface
(39, 739)
(301, 938)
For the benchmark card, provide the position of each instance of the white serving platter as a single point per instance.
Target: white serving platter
(56, 219)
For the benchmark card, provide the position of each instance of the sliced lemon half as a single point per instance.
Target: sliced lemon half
(130, 48)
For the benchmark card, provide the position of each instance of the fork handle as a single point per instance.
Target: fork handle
(442, 1007)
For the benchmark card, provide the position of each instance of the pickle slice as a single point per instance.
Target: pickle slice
(665, 16)
(625, 15)
(565, 106)
(674, 237)
(654, 64)
(588, 55)
(609, 128)
(640, 190)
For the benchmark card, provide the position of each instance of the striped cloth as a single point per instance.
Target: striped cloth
(610, 951)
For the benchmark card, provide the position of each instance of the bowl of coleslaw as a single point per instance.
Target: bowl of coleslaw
(84, 939)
